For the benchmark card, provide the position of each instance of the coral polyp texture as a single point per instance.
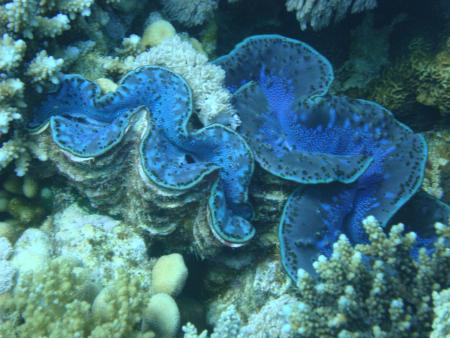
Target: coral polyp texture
(355, 158)
(135, 145)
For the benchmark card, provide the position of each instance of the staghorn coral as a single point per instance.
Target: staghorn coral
(319, 13)
(300, 133)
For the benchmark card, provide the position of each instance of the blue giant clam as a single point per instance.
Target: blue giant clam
(352, 157)
(143, 128)
(134, 152)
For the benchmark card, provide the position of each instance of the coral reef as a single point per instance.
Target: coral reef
(104, 245)
(152, 139)
(360, 165)
(319, 13)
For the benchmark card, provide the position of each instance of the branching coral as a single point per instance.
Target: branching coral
(319, 13)
(11, 53)
(14, 150)
(441, 322)
(191, 13)
(44, 68)
(25, 17)
(24, 24)
(11, 105)
(373, 289)
(55, 302)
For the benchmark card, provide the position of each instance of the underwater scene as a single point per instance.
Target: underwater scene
(224, 168)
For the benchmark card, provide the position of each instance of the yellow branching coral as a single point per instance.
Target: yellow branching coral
(374, 289)
(57, 302)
